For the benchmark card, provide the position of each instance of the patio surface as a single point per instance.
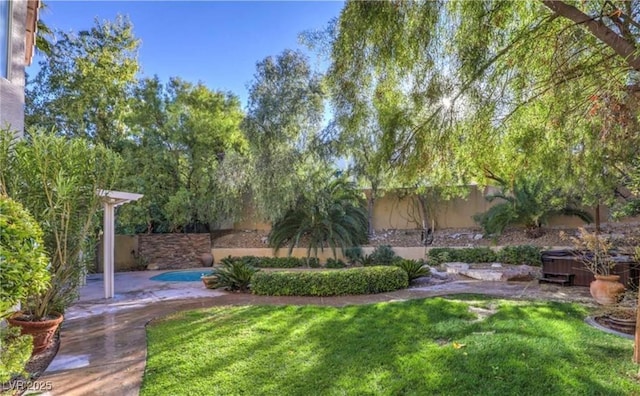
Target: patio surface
(103, 342)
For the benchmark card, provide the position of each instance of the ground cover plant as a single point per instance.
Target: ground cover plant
(417, 347)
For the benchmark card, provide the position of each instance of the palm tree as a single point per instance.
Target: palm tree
(335, 216)
(527, 203)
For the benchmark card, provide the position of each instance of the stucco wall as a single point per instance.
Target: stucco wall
(220, 253)
(12, 89)
(125, 257)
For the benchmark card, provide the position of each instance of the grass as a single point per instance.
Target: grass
(433, 346)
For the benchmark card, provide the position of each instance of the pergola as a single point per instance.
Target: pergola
(111, 200)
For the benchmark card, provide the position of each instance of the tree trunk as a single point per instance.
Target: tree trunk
(597, 219)
(371, 200)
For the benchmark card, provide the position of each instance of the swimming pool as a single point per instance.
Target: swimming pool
(180, 276)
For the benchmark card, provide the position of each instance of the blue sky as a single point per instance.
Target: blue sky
(217, 43)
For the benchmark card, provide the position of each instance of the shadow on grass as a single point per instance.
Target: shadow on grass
(430, 346)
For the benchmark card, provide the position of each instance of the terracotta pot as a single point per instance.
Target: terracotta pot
(623, 323)
(606, 289)
(206, 259)
(42, 331)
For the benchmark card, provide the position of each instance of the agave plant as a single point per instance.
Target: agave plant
(527, 203)
(335, 217)
(414, 268)
(235, 274)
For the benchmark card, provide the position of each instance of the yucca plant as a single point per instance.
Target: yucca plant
(414, 268)
(334, 217)
(529, 203)
(235, 274)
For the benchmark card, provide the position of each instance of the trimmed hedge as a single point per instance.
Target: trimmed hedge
(275, 262)
(364, 280)
(465, 255)
(522, 254)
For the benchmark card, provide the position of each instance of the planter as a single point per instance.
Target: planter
(206, 259)
(42, 331)
(606, 289)
(624, 323)
(210, 281)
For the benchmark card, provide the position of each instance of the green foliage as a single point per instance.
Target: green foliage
(15, 351)
(353, 254)
(332, 216)
(466, 255)
(414, 268)
(330, 282)
(187, 158)
(333, 263)
(284, 116)
(274, 262)
(523, 254)
(23, 261)
(235, 274)
(528, 90)
(381, 255)
(82, 85)
(529, 203)
(56, 180)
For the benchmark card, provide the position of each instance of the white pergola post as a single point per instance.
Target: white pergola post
(111, 200)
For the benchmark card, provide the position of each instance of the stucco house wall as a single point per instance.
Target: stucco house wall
(23, 15)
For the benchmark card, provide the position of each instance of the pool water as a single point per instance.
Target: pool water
(180, 276)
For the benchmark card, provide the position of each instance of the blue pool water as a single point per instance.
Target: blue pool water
(180, 276)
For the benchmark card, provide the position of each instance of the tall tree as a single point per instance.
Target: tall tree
(187, 156)
(82, 86)
(284, 117)
(498, 86)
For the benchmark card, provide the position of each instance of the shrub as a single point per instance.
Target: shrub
(23, 262)
(466, 255)
(523, 254)
(279, 262)
(353, 254)
(330, 283)
(414, 268)
(15, 351)
(383, 255)
(235, 274)
(333, 263)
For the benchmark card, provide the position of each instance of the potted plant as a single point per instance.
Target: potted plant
(595, 253)
(56, 180)
(23, 272)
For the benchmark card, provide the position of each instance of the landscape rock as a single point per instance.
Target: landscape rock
(483, 274)
(455, 268)
(521, 273)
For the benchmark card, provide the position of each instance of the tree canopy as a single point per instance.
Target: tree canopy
(487, 87)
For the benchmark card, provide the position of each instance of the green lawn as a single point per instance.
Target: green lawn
(419, 347)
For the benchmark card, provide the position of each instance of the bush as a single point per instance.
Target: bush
(235, 274)
(23, 261)
(466, 255)
(333, 263)
(274, 262)
(15, 351)
(353, 254)
(414, 268)
(330, 283)
(382, 255)
(523, 254)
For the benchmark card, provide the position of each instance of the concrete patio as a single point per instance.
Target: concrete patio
(103, 342)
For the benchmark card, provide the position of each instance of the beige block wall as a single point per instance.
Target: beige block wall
(12, 88)
(220, 253)
(125, 254)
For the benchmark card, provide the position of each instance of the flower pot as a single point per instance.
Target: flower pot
(606, 289)
(624, 322)
(206, 259)
(42, 331)
(210, 281)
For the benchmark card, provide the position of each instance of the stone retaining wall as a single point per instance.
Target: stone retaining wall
(173, 251)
